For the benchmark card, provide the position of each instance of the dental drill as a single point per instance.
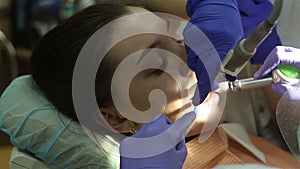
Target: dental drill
(283, 74)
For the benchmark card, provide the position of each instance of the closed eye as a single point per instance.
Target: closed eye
(162, 68)
(157, 72)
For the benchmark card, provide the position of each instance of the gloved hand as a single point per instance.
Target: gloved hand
(158, 144)
(253, 12)
(281, 55)
(220, 21)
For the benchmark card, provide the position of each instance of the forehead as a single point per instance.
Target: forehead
(140, 20)
(137, 31)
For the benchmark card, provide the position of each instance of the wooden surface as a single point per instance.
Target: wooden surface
(5, 155)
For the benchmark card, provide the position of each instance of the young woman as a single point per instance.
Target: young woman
(46, 95)
(44, 120)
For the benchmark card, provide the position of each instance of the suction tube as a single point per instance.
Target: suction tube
(241, 54)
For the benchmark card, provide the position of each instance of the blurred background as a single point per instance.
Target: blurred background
(22, 23)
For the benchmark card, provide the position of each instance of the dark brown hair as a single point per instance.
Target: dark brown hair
(54, 58)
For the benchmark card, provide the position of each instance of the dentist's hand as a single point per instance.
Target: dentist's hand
(220, 21)
(253, 12)
(281, 55)
(158, 144)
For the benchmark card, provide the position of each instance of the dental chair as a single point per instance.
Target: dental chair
(22, 160)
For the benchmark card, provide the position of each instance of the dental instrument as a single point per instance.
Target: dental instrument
(284, 73)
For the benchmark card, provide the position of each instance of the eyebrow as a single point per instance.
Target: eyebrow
(145, 52)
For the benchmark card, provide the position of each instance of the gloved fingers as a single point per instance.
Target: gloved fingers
(200, 94)
(130, 147)
(289, 55)
(270, 63)
(281, 88)
(254, 7)
(182, 151)
(194, 5)
(204, 86)
(196, 98)
(221, 29)
(293, 91)
(246, 6)
(264, 70)
(179, 129)
(157, 126)
(264, 5)
(273, 60)
(203, 92)
(175, 134)
(204, 83)
(192, 58)
(181, 146)
(279, 55)
(162, 123)
(215, 86)
(160, 119)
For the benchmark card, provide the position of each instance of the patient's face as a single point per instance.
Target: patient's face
(173, 77)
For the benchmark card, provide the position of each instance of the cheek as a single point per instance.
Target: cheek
(170, 87)
(141, 87)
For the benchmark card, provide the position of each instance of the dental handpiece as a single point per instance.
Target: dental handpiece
(243, 84)
(284, 73)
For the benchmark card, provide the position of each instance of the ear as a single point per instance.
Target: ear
(116, 120)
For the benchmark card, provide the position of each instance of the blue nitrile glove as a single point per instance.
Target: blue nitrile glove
(253, 12)
(158, 144)
(281, 55)
(220, 21)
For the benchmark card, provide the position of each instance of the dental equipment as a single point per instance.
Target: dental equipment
(284, 73)
(238, 57)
